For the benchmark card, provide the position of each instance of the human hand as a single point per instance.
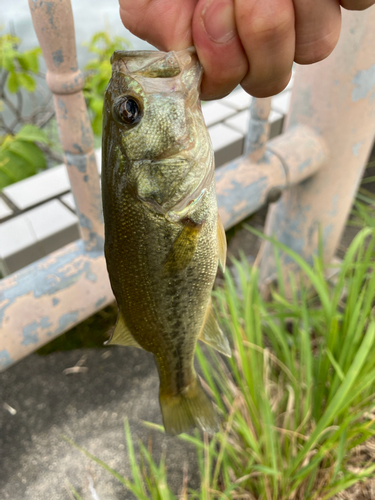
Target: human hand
(251, 42)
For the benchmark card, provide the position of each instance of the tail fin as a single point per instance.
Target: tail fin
(191, 408)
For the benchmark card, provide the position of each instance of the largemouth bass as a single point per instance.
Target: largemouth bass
(163, 236)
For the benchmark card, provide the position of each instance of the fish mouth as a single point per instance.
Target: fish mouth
(153, 63)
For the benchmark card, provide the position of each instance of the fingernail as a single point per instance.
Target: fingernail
(218, 20)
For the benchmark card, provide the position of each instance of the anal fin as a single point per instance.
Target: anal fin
(221, 242)
(121, 334)
(212, 334)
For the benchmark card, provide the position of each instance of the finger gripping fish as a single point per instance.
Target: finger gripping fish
(163, 236)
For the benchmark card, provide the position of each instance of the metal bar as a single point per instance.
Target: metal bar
(243, 187)
(336, 98)
(54, 294)
(48, 297)
(54, 26)
(258, 130)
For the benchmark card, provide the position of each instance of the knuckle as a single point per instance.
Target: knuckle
(314, 47)
(315, 51)
(271, 27)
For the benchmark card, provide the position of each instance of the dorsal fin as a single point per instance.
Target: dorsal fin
(121, 334)
(212, 334)
(221, 242)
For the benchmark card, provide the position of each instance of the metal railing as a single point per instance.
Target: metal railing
(318, 161)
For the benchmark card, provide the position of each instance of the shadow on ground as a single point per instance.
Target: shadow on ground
(89, 407)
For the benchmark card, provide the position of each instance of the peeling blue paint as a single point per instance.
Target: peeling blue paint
(229, 167)
(85, 178)
(305, 164)
(42, 280)
(356, 148)
(326, 233)
(30, 334)
(302, 106)
(55, 301)
(30, 331)
(45, 322)
(100, 302)
(78, 148)
(83, 220)
(288, 231)
(5, 359)
(86, 136)
(254, 194)
(89, 274)
(51, 20)
(364, 82)
(78, 161)
(61, 104)
(257, 130)
(58, 57)
(96, 243)
(66, 320)
(74, 85)
(333, 211)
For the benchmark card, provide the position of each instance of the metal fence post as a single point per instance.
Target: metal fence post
(55, 293)
(336, 98)
(54, 26)
(258, 130)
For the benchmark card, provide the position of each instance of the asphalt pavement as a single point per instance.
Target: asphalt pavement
(41, 400)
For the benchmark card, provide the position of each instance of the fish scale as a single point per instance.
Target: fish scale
(163, 237)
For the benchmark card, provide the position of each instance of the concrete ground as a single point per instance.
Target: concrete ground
(36, 463)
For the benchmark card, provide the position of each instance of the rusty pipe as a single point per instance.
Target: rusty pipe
(52, 295)
(54, 26)
(243, 187)
(335, 98)
(258, 131)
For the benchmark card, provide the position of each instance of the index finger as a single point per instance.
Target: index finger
(219, 48)
(166, 24)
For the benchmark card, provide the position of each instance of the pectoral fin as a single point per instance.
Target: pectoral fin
(222, 242)
(121, 334)
(212, 334)
(184, 247)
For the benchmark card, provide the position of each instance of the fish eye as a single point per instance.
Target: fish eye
(127, 110)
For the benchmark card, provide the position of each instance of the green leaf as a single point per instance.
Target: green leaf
(14, 167)
(6, 176)
(75, 493)
(20, 167)
(29, 60)
(27, 82)
(96, 105)
(106, 467)
(342, 395)
(268, 471)
(29, 152)
(32, 133)
(13, 82)
(7, 60)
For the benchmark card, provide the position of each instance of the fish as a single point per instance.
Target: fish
(163, 235)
